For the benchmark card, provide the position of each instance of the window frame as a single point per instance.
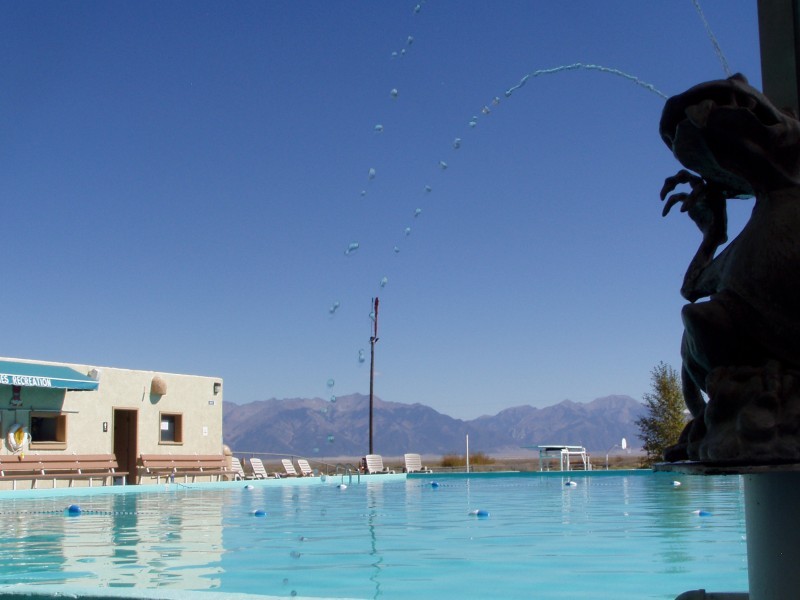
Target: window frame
(60, 443)
(177, 426)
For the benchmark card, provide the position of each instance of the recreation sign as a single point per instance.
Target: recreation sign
(44, 376)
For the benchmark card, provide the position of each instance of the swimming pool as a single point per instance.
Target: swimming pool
(613, 535)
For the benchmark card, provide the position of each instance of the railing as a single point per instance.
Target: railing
(348, 469)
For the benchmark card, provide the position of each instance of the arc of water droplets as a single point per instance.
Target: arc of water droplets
(713, 38)
(586, 67)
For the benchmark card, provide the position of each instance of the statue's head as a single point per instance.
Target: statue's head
(731, 134)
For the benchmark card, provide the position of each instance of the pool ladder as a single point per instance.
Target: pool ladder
(348, 469)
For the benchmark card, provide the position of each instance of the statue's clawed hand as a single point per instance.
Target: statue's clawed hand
(705, 204)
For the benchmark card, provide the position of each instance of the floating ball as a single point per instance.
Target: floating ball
(259, 513)
(74, 509)
(480, 513)
(703, 513)
(434, 484)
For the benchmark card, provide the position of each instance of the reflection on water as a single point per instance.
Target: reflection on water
(629, 536)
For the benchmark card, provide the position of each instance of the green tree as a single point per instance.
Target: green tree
(661, 426)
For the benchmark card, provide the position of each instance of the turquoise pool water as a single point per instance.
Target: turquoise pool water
(630, 535)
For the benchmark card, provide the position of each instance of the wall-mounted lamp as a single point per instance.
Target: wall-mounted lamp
(105, 426)
(16, 395)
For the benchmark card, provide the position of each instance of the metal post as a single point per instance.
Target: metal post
(372, 341)
(467, 453)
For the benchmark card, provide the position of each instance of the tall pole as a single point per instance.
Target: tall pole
(372, 341)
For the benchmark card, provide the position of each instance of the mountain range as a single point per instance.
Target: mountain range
(315, 427)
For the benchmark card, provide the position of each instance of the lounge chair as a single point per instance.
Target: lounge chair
(288, 466)
(305, 468)
(258, 468)
(414, 464)
(375, 464)
(238, 471)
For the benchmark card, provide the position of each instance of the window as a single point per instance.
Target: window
(48, 431)
(171, 429)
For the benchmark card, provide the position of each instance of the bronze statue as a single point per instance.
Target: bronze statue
(741, 345)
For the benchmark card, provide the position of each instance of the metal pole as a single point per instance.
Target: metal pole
(372, 341)
(467, 453)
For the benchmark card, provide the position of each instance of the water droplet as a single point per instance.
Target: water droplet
(417, 212)
(396, 250)
(428, 188)
(333, 399)
(417, 8)
(294, 554)
(331, 439)
(330, 383)
(371, 173)
(285, 581)
(410, 40)
(316, 450)
(473, 122)
(363, 192)
(384, 281)
(457, 143)
(403, 52)
(496, 100)
(378, 128)
(372, 315)
(394, 92)
(394, 54)
(408, 231)
(361, 355)
(334, 307)
(485, 110)
(351, 248)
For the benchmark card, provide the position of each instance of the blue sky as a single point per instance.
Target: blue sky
(180, 181)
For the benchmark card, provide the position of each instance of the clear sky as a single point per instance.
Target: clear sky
(180, 181)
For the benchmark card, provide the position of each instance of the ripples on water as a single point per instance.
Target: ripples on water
(632, 536)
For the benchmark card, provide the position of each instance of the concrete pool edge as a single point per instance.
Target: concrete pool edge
(330, 480)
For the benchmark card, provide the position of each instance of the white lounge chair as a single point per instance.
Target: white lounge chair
(238, 471)
(375, 464)
(414, 464)
(288, 466)
(258, 468)
(305, 468)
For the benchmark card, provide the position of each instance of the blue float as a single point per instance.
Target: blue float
(259, 513)
(74, 509)
(480, 513)
(434, 485)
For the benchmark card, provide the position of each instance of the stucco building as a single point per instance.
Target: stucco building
(86, 410)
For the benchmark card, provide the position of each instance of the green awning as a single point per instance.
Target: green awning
(44, 376)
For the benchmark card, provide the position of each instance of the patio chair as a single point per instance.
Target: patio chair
(288, 466)
(258, 468)
(414, 464)
(238, 471)
(375, 464)
(305, 468)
